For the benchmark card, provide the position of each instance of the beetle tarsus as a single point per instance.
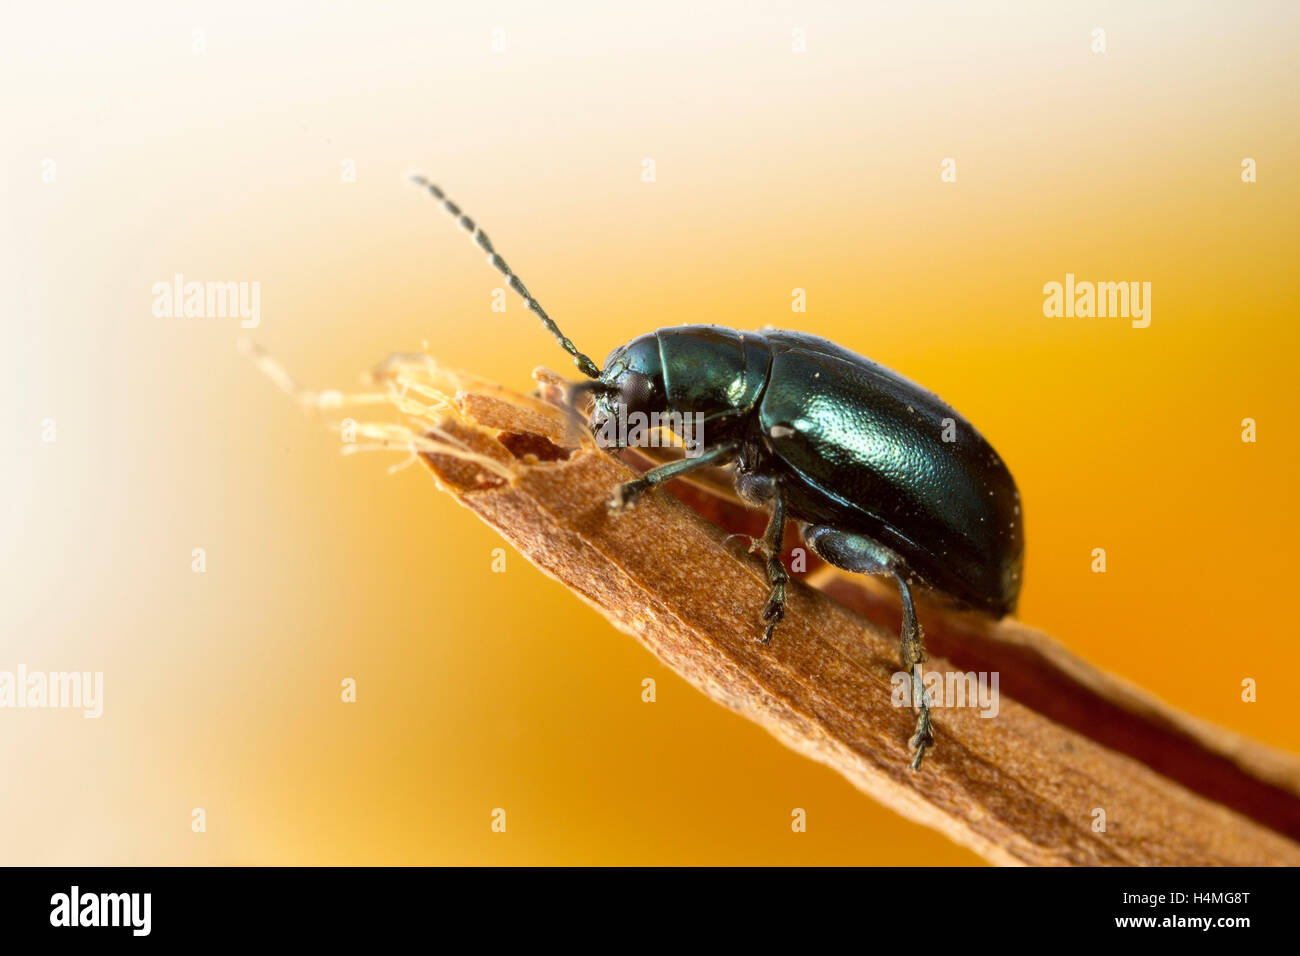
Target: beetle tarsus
(625, 495)
(774, 611)
(923, 739)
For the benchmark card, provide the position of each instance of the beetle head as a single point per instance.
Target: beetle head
(633, 378)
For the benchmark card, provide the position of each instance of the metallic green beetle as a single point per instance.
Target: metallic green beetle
(882, 476)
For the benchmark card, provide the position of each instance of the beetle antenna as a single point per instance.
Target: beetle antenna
(585, 365)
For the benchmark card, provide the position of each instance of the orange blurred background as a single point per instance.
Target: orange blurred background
(213, 140)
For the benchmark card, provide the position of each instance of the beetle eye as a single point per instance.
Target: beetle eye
(635, 391)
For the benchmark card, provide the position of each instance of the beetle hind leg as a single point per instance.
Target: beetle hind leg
(912, 653)
(858, 553)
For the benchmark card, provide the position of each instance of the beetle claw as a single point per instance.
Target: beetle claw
(920, 754)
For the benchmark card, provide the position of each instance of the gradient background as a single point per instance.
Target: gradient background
(775, 170)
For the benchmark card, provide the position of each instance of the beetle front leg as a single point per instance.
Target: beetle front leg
(626, 494)
(912, 653)
(776, 574)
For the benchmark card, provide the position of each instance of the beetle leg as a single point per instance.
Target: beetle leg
(626, 494)
(856, 552)
(776, 574)
(912, 653)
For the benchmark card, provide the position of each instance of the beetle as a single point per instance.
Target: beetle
(881, 476)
